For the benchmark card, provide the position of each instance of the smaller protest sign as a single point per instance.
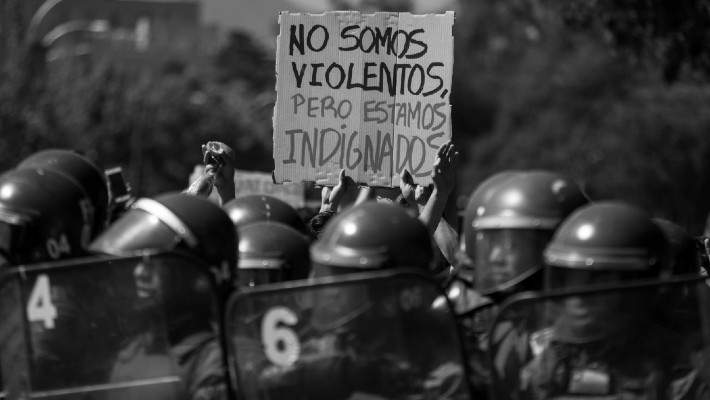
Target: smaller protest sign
(252, 182)
(255, 182)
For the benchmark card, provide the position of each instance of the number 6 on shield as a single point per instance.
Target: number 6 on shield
(40, 306)
(281, 343)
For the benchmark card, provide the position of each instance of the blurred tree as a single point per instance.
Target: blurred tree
(670, 33)
(153, 123)
(533, 87)
(243, 59)
(532, 91)
(149, 121)
(21, 85)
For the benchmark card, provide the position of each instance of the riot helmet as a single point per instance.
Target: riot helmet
(480, 195)
(271, 252)
(251, 208)
(606, 243)
(370, 236)
(43, 216)
(176, 221)
(512, 226)
(462, 277)
(82, 172)
(606, 236)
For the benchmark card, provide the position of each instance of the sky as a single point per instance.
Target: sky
(260, 17)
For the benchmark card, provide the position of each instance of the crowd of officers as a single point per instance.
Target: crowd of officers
(523, 232)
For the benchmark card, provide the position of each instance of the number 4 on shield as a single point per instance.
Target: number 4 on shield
(40, 307)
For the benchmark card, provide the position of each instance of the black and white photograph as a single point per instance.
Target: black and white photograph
(355, 199)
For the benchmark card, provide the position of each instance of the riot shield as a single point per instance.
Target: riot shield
(110, 328)
(641, 340)
(385, 335)
(474, 324)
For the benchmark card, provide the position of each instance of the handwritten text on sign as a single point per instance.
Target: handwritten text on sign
(365, 93)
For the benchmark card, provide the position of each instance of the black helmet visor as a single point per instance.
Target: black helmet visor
(12, 227)
(249, 277)
(254, 271)
(137, 230)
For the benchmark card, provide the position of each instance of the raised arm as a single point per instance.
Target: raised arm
(444, 176)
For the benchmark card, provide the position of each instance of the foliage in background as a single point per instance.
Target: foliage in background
(150, 122)
(153, 124)
(672, 34)
(242, 59)
(615, 93)
(533, 91)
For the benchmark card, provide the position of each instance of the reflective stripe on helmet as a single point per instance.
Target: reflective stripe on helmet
(14, 218)
(514, 221)
(342, 256)
(168, 218)
(259, 263)
(629, 260)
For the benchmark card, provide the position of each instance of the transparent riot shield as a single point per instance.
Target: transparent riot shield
(386, 335)
(110, 328)
(643, 340)
(474, 324)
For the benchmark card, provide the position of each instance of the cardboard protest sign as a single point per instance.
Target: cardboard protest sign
(255, 182)
(251, 182)
(364, 93)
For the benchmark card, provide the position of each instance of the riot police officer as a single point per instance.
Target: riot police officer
(82, 172)
(184, 299)
(513, 227)
(605, 343)
(342, 326)
(51, 206)
(509, 220)
(44, 215)
(176, 221)
(460, 287)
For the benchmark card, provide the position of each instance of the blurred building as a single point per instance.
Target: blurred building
(134, 33)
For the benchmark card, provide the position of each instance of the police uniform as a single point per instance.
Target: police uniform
(508, 220)
(186, 346)
(634, 368)
(606, 344)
